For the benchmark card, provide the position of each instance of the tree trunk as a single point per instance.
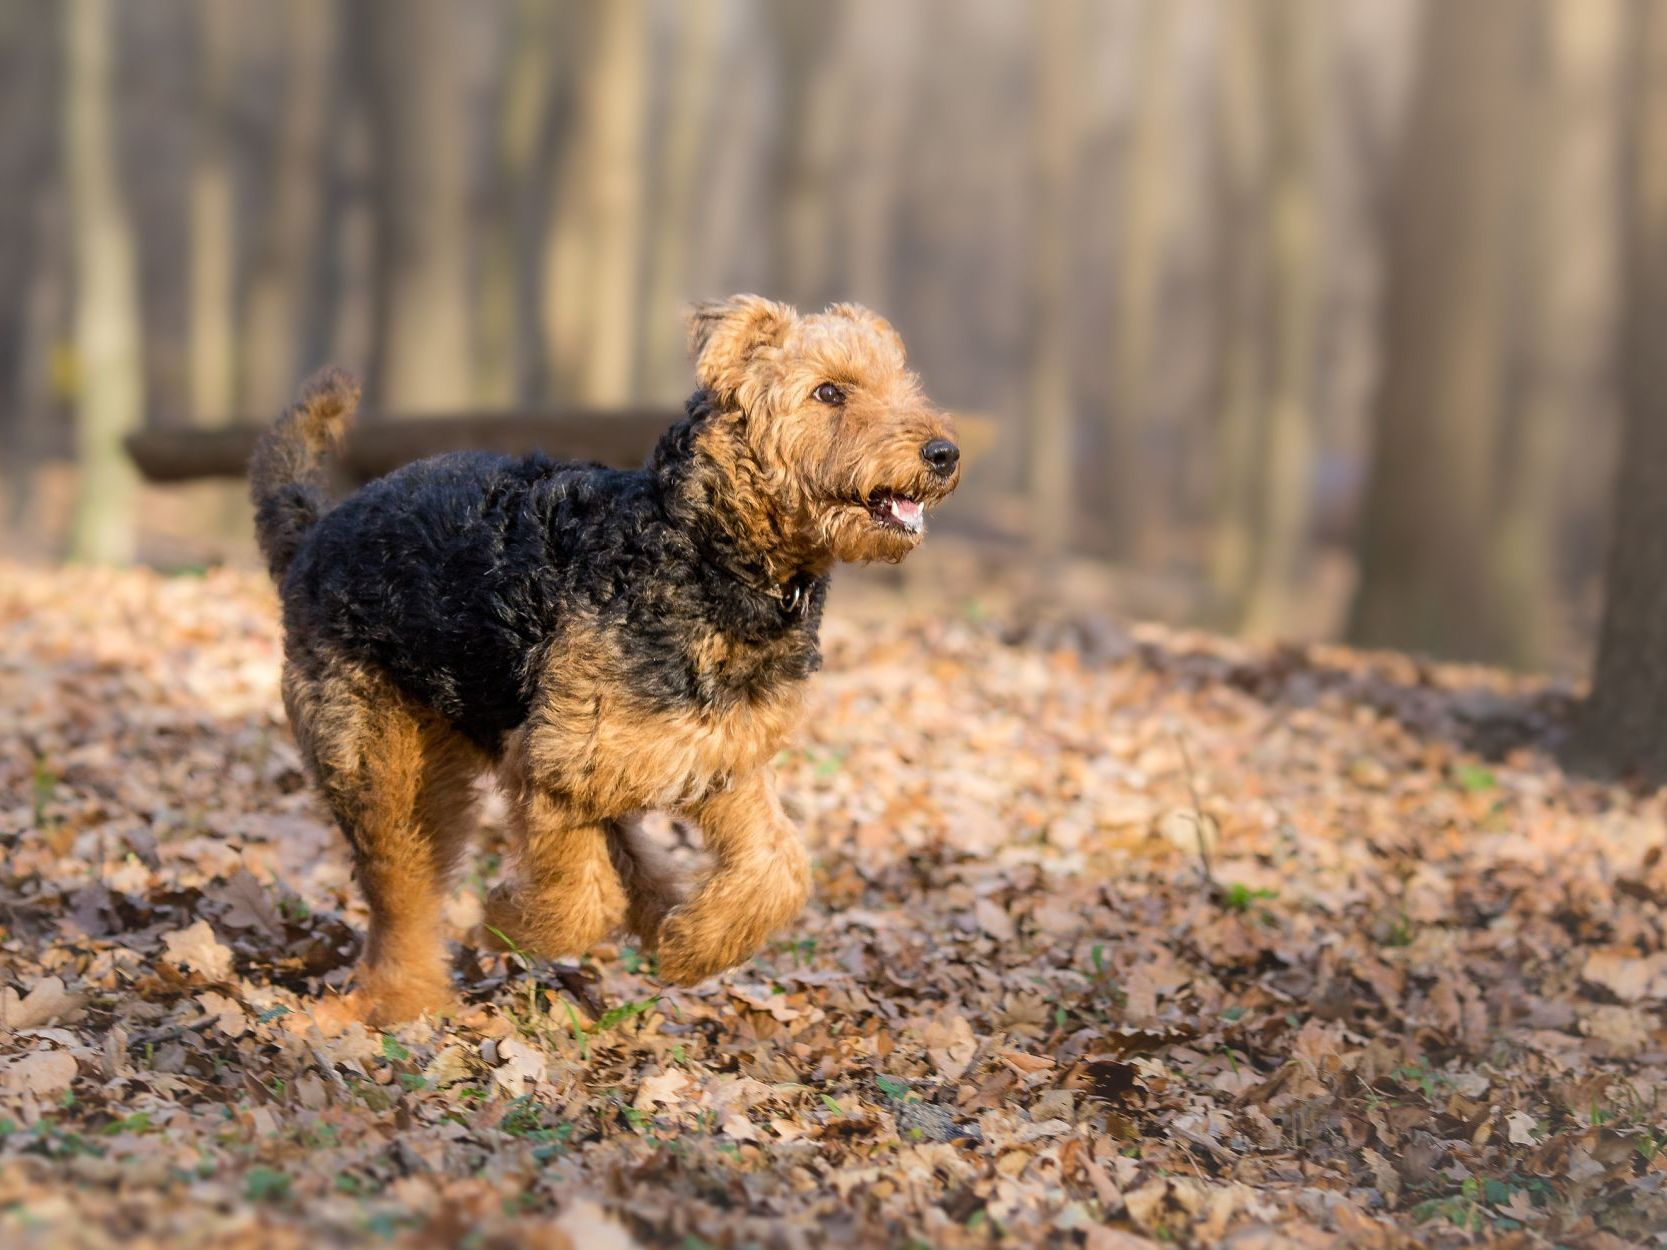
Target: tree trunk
(280, 286)
(1053, 419)
(1569, 277)
(507, 347)
(618, 93)
(32, 277)
(877, 157)
(27, 94)
(1425, 549)
(804, 43)
(593, 266)
(566, 257)
(1624, 724)
(46, 301)
(1292, 42)
(1136, 508)
(423, 246)
(346, 332)
(213, 240)
(224, 512)
(106, 293)
(1242, 263)
(688, 114)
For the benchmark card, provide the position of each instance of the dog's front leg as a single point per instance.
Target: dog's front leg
(759, 881)
(566, 895)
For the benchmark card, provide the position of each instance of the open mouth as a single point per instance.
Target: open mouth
(898, 512)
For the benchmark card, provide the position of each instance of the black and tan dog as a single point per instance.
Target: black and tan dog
(609, 641)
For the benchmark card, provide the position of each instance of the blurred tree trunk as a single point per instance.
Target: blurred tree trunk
(1569, 274)
(508, 342)
(422, 313)
(287, 235)
(618, 92)
(213, 241)
(111, 385)
(876, 157)
(35, 393)
(1292, 44)
(1426, 581)
(593, 265)
(1241, 178)
(567, 258)
(804, 38)
(348, 288)
(32, 296)
(1058, 36)
(688, 114)
(26, 95)
(1136, 499)
(225, 516)
(1624, 724)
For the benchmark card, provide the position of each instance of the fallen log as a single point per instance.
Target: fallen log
(378, 445)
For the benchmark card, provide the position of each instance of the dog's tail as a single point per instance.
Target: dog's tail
(286, 471)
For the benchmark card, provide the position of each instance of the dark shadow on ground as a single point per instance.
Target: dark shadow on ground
(1486, 712)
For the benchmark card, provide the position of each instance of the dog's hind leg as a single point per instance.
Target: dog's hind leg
(760, 881)
(400, 783)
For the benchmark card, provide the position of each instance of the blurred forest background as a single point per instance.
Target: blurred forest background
(1295, 316)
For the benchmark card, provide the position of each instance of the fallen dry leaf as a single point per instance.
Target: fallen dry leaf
(198, 950)
(1026, 1063)
(950, 1045)
(1101, 1237)
(1629, 978)
(1418, 994)
(47, 1002)
(43, 1072)
(993, 919)
(519, 1064)
(1519, 1127)
(586, 1226)
(661, 1087)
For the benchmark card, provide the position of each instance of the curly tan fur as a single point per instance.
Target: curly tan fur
(609, 643)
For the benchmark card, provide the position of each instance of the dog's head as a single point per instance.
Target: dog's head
(847, 453)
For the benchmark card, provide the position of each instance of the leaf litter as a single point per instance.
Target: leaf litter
(1176, 941)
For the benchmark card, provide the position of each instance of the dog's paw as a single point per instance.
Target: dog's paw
(487, 936)
(394, 995)
(690, 951)
(648, 913)
(381, 1007)
(539, 924)
(504, 927)
(338, 1012)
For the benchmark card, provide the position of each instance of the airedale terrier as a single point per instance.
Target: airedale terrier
(610, 641)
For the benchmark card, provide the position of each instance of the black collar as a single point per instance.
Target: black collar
(794, 595)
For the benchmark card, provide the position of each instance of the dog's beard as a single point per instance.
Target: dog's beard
(874, 510)
(884, 529)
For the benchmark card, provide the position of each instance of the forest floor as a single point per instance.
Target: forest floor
(1120, 938)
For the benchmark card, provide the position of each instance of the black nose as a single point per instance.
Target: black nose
(942, 455)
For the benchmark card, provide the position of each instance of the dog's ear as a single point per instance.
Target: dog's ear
(724, 335)
(872, 320)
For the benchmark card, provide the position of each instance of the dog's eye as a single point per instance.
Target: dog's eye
(828, 393)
